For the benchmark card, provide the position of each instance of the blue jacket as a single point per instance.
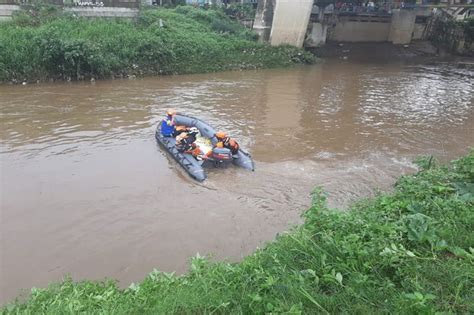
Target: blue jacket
(167, 127)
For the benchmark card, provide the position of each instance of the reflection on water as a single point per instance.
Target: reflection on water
(323, 108)
(86, 190)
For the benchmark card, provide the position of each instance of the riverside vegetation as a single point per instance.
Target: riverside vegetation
(43, 42)
(407, 251)
(455, 36)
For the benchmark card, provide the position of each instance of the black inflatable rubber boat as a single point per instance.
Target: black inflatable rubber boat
(194, 167)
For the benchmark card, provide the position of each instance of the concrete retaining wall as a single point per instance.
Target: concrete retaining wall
(355, 31)
(106, 12)
(400, 28)
(290, 22)
(418, 31)
(6, 11)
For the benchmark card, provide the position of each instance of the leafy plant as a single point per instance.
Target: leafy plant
(240, 11)
(161, 41)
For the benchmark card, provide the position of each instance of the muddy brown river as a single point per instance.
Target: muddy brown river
(86, 190)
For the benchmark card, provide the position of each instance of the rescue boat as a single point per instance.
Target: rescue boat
(220, 156)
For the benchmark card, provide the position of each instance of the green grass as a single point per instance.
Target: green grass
(51, 45)
(408, 251)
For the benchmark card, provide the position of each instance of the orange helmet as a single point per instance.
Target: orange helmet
(221, 135)
(171, 112)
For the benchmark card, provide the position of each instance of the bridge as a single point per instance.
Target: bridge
(289, 22)
(283, 21)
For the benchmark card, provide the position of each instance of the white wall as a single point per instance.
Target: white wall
(103, 12)
(6, 11)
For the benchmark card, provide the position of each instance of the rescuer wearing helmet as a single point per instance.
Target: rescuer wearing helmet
(224, 141)
(168, 125)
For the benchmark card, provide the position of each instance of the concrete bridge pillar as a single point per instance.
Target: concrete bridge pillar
(402, 27)
(290, 22)
(263, 19)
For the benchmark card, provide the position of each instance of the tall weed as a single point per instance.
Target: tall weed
(49, 45)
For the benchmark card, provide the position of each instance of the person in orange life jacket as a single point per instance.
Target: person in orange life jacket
(168, 125)
(224, 141)
(185, 140)
(196, 151)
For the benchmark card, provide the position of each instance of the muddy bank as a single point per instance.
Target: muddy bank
(416, 52)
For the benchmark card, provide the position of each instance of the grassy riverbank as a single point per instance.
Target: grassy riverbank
(50, 45)
(408, 251)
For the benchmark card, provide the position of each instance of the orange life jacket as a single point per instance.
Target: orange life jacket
(228, 143)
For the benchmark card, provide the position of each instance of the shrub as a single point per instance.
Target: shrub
(240, 11)
(161, 41)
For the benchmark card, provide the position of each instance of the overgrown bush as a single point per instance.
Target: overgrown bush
(468, 27)
(450, 33)
(160, 41)
(240, 11)
(406, 252)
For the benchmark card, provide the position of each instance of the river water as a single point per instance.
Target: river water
(86, 190)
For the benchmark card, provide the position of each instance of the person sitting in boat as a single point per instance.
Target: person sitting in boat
(168, 124)
(186, 139)
(196, 152)
(186, 143)
(224, 141)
